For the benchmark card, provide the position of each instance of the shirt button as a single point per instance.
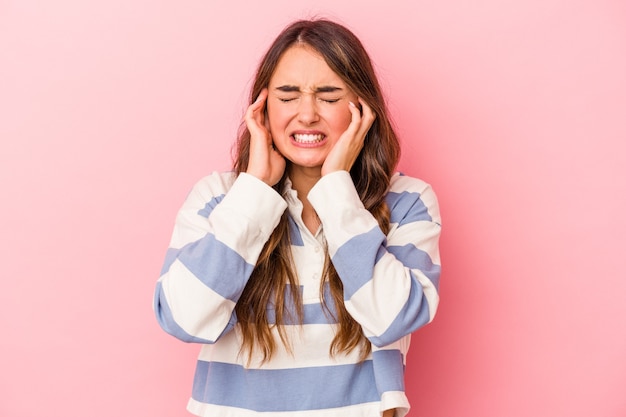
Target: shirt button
(317, 249)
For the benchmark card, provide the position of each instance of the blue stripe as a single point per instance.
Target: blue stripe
(388, 370)
(314, 313)
(406, 207)
(166, 320)
(216, 265)
(294, 233)
(170, 257)
(413, 315)
(416, 258)
(298, 389)
(355, 260)
(208, 207)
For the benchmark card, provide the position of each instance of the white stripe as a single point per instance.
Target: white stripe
(397, 400)
(403, 184)
(210, 410)
(310, 344)
(236, 223)
(402, 345)
(189, 225)
(341, 211)
(407, 233)
(196, 308)
(384, 298)
(245, 227)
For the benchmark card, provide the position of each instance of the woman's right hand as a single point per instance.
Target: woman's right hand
(265, 163)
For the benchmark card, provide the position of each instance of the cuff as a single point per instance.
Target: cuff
(397, 400)
(256, 201)
(340, 209)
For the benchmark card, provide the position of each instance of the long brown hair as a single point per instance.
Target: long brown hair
(274, 275)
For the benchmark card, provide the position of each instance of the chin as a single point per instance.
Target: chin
(306, 163)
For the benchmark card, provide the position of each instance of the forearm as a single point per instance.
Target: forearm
(215, 245)
(390, 282)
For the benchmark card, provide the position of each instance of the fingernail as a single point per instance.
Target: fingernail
(352, 104)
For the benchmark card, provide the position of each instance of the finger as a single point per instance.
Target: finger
(258, 104)
(367, 118)
(355, 122)
(255, 115)
(368, 113)
(260, 100)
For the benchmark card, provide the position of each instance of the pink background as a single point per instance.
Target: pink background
(514, 110)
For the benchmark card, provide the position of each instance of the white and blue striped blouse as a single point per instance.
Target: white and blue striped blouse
(390, 288)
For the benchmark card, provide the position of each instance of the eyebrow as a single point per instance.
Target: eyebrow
(296, 89)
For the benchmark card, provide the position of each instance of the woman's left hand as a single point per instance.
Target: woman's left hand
(349, 145)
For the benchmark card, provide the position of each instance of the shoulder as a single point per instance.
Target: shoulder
(209, 190)
(403, 183)
(214, 184)
(409, 196)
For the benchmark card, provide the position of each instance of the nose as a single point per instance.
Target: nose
(307, 110)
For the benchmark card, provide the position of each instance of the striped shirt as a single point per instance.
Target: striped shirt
(390, 288)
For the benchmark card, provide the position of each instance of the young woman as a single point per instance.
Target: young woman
(304, 272)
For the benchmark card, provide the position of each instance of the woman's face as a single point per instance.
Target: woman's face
(307, 107)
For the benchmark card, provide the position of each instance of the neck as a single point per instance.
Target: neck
(302, 180)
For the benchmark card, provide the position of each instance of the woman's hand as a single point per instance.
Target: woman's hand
(389, 413)
(349, 145)
(265, 162)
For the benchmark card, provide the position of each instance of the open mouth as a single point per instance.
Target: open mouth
(308, 138)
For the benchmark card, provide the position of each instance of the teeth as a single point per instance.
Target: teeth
(308, 138)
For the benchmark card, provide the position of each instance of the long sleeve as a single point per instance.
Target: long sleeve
(390, 282)
(218, 236)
